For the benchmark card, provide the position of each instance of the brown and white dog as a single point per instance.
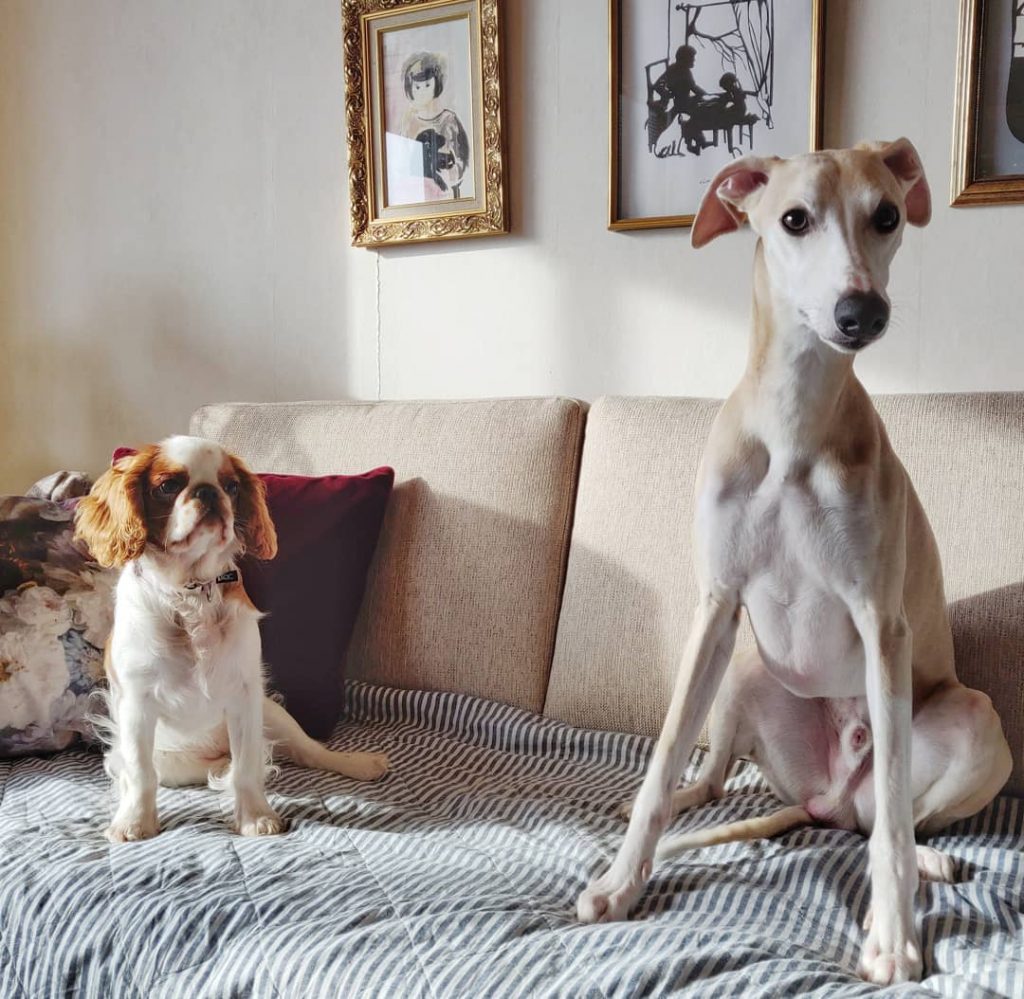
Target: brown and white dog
(184, 659)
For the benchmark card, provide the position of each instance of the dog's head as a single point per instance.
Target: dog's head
(185, 497)
(830, 224)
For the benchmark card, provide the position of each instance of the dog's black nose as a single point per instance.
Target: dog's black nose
(206, 494)
(862, 315)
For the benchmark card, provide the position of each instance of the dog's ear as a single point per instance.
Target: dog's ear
(111, 520)
(727, 201)
(902, 159)
(252, 518)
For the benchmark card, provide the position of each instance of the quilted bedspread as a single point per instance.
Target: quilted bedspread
(457, 876)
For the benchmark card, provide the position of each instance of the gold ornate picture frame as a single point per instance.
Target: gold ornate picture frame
(423, 103)
(697, 83)
(988, 135)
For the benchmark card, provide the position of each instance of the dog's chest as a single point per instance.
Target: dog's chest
(791, 545)
(203, 639)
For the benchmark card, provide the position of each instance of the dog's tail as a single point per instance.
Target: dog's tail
(762, 827)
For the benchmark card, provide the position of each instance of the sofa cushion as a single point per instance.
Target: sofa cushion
(464, 590)
(630, 586)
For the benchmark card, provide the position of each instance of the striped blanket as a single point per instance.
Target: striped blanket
(457, 876)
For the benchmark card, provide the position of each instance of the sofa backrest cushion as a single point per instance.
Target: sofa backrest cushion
(630, 586)
(464, 590)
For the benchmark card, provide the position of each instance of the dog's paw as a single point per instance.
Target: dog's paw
(933, 865)
(131, 829)
(261, 824)
(609, 898)
(362, 766)
(889, 965)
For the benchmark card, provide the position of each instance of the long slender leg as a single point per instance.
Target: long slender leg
(253, 814)
(704, 662)
(891, 952)
(135, 817)
(710, 782)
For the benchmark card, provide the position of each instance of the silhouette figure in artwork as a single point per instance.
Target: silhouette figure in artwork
(676, 93)
(728, 109)
(444, 145)
(1015, 82)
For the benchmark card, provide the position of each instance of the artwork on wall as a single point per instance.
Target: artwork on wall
(423, 97)
(697, 84)
(988, 140)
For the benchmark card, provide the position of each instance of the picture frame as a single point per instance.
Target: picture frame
(988, 134)
(424, 118)
(670, 134)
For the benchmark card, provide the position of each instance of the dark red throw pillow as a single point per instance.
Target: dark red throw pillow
(327, 531)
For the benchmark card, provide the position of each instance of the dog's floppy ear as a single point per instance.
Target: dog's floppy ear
(252, 518)
(111, 520)
(727, 201)
(902, 159)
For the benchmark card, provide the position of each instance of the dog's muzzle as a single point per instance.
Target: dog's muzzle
(209, 497)
(861, 317)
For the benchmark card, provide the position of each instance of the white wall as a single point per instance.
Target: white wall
(173, 196)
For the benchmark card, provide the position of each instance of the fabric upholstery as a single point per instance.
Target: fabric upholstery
(464, 591)
(630, 585)
(456, 876)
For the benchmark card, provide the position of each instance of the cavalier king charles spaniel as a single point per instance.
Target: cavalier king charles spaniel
(186, 680)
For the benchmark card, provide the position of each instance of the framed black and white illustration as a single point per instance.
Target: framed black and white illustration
(423, 96)
(988, 142)
(697, 84)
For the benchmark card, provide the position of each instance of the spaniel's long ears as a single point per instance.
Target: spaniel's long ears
(252, 518)
(111, 520)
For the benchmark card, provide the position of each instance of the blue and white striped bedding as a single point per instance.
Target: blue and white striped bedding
(457, 876)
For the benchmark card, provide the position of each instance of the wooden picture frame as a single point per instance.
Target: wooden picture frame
(988, 151)
(767, 107)
(423, 103)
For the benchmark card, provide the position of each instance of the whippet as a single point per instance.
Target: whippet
(805, 516)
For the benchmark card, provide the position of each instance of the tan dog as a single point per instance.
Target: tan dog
(805, 517)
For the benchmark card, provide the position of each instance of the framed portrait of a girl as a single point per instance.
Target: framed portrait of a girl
(698, 83)
(423, 103)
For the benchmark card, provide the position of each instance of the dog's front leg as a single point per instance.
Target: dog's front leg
(253, 814)
(703, 665)
(135, 817)
(891, 952)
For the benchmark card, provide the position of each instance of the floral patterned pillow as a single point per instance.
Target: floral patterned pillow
(56, 610)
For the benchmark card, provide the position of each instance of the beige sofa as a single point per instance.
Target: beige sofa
(537, 551)
(530, 595)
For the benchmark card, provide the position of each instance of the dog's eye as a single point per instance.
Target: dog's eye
(169, 487)
(795, 221)
(886, 217)
(231, 488)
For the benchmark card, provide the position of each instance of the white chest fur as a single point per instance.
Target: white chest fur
(789, 541)
(191, 651)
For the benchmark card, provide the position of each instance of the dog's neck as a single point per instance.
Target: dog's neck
(167, 573)
(794, 385)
